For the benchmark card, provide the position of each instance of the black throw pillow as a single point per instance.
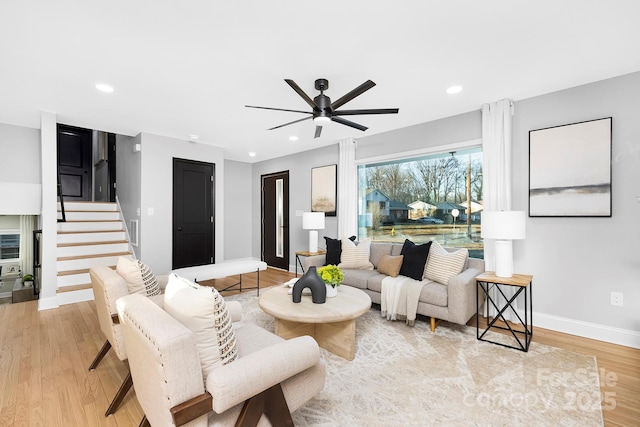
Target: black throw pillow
(415, 258)
(334, 250)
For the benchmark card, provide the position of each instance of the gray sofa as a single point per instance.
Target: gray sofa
(454, 302)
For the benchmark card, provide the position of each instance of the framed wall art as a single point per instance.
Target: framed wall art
(570, 170)
(324, 189)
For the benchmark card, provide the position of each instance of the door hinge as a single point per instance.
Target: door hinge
(211, 260)
(211, 219)
(114, 185)
(211, 178)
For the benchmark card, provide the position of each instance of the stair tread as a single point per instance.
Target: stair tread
(74, 288)
(68, 258)
(91, 220)
(105, 242)
(79, 271)
(91, 231)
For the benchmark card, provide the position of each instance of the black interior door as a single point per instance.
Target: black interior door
(193, 217)
(275, 220)
(74, 162)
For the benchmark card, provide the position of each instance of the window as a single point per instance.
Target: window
(9, 245)
(433, 197)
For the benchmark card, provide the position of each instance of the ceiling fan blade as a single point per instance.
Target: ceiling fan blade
(278, 109)
(355, 92)
(368, 111)
(300, 92)
(290, 123)
(348, 123)
(318, 132)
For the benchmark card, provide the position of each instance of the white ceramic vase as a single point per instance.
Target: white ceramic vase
(331, 291)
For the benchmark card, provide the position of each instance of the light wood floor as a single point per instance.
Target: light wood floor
(44, 356)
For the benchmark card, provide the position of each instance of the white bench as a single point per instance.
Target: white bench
(224, 269)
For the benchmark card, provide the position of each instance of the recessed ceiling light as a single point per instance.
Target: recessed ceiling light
(104, 88)
(454, 89)
(194, 137)
(293, 138)
(252, 153)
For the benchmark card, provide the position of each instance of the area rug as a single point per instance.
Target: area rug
(410, 376)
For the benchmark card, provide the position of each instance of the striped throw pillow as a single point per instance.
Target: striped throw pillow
(356, 257)
(442, 265)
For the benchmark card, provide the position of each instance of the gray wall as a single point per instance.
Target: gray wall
(238, 209)
(128, 180)
(20, 171)
(299, 166)
(576, 262)
(156, 189)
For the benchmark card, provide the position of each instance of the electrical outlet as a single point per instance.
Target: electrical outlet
(616, 298)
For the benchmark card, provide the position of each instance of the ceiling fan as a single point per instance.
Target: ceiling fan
(324, 111)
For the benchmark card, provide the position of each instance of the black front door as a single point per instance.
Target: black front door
(193, 218)
(275, 219)
(74, 162)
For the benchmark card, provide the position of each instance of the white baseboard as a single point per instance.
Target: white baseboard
(594, 331)
(48, 303)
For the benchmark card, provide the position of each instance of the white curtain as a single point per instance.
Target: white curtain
(497, 176)
(27, 225)
(347, 210)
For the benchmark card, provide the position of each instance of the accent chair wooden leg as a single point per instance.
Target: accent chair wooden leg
(434, 323)
(122, 392)
(270, 402)
(103, 351)
(144, 422)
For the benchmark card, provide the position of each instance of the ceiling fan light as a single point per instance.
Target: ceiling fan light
(321, 120)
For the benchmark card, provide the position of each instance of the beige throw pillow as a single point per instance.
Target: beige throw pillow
(390, 265)
(203, 311)
(442, 265)
(355, 257)
(138, 276)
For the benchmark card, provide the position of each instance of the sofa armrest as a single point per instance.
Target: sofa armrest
(247, 376)
(461, 295)
(235, 310)
(314, 260)
(162, 279)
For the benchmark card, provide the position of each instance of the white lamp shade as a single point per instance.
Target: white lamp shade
(503, 225)
(313, 220)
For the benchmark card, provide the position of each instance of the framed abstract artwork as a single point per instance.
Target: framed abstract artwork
(324, 189)
(570, 170)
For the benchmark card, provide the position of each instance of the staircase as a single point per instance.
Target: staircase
(93, 234)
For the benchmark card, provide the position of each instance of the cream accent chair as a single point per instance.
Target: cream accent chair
(271, 377)
(108, 286)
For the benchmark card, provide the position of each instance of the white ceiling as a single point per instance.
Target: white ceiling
(189, 67)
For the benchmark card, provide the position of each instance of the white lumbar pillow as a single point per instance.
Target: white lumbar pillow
(203, 311)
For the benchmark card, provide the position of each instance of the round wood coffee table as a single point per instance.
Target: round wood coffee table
(332, 324)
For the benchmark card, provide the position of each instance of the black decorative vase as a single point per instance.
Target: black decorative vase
(310, 280)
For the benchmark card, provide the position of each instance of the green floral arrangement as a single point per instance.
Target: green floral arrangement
(331, 275)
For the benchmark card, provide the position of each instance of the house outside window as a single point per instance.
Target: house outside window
(432, 197)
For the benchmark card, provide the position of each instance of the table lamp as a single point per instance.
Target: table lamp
(503, 227)
(313, 221)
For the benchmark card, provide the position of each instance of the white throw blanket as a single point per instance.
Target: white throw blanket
(399, 298)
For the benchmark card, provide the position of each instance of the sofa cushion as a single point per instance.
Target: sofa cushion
(334, 249)
(355, 257)
(374, 282)
(396, 249)
(390, 265)
(359, 278)
(434, 293)
(443, 265)
(415, 258)
(138, 276)
(203, 311)
(378, 250)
